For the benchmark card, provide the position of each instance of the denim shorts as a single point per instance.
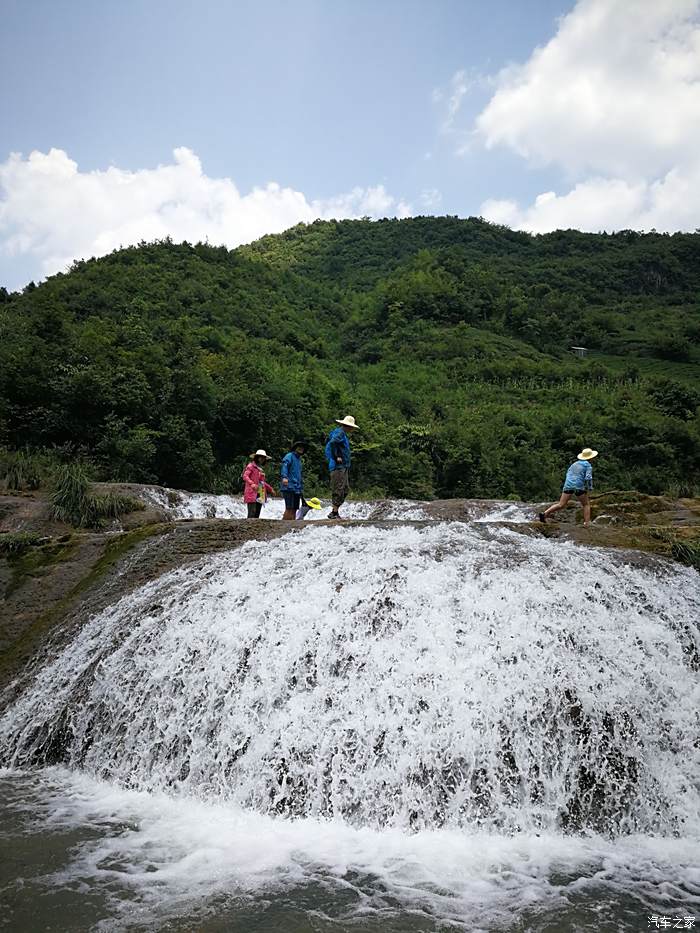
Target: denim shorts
(572, 491)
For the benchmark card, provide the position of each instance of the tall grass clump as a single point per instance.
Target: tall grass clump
(73, 502)
(687, 552)
(112, 505)
(15, 543)
(20, 469)
(682, 490)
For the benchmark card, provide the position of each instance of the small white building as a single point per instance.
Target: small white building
(579, 351)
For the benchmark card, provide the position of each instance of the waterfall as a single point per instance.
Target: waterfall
(452, 676)
(417, 727)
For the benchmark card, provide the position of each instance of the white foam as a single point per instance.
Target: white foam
(195, 505)
(180, 505)
(173, 853)
(513, 512)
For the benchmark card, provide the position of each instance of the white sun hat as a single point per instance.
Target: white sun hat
(260, 453)
(587, 454)
(347, 422)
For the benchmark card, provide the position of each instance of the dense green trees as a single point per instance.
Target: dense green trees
(447, 339)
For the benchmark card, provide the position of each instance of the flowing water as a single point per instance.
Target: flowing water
(358, 728)
(179, 505)
(182, 505)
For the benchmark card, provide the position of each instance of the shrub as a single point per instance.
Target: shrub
(673, 398)
(687, 553)
(70, 500)
(14, 543)
(21, 470)
(671, 346)
(73, 502)
(113, 505)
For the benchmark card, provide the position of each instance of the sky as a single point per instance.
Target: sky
(225, 120)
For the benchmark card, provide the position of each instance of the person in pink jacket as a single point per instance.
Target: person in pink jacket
(255, 486)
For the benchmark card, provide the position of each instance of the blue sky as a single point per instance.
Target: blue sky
(383, 107)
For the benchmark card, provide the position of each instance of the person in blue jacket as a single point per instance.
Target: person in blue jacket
(338, 456)
(292, 479)
(578, 482)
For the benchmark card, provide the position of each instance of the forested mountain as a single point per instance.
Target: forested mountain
(447, 339)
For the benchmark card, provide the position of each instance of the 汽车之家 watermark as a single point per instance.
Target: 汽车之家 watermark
(661, 922)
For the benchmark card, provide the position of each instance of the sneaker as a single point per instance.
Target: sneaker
(333, 515)
(543, 518)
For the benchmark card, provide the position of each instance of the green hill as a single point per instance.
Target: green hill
(447, 339)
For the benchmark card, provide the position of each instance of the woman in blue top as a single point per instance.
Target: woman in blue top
(578, 482)
(292, 481)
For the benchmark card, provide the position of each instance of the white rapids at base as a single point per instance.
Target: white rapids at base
(155, 857)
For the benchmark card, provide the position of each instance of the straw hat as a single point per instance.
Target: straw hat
(587, 454)
(260, 453)
(347, 422)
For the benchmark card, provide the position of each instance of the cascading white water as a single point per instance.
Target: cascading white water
(515, 513)
(180, 504)
(446, 676)
(446, 726)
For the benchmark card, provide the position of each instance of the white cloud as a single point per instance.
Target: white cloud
(430, 198)
(362, 202)
(672, 203)
(449, 100)
(616, 91)
(458, 88)
(613, 99)
(54, 213)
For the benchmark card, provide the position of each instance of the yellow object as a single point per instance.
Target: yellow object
(314, 503)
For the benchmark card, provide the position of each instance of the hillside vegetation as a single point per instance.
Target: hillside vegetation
(447, 339)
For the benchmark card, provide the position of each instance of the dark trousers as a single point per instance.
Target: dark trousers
(340, 487)
(254, 509)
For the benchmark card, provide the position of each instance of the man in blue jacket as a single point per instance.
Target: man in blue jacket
(292, 482)
(338, 456)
